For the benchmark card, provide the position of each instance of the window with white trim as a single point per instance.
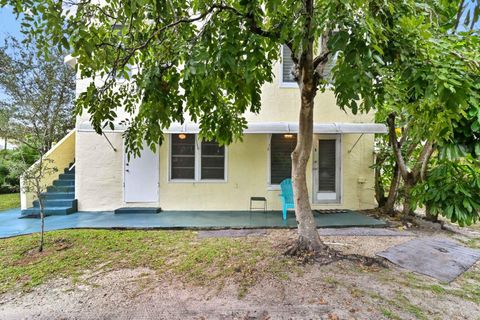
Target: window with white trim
(286, 67)
(192, 159)
(281, 148)
(182, 164)
(212, 161)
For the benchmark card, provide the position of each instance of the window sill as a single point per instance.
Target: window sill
(292, 85)
(196, 181)
(273, 187)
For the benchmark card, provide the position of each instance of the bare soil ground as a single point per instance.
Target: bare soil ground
(341, 290)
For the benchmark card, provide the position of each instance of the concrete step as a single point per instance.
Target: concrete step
(64, 182)
(58, 195)
(67, 176)
(61, 189)
(52, 211)
(137, 210)
(57, 203)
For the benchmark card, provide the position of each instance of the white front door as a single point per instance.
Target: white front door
(141, 177)
(326, 169)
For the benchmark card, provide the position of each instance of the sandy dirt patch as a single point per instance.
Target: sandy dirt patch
(341, 290)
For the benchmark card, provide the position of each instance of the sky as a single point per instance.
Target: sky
(9, 26)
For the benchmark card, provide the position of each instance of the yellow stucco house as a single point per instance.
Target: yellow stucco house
(189, 174)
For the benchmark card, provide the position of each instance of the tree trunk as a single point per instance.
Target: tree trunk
(389, 204)
(429, 215)
(379, 188)
(308, 238)
(40, 201)
(42, 228)
(407, 200)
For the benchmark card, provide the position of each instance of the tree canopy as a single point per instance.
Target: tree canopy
(39, 94)
(207, 60)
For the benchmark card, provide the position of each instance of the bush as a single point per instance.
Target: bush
(12, 163)
(452, 189)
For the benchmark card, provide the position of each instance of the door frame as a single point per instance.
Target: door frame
(157, 168)
(330, 198)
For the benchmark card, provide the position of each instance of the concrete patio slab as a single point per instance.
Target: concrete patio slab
(10, 225)
(440, 258)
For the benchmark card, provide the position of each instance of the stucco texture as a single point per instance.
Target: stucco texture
(99, 182)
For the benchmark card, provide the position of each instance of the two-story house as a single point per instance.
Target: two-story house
(189, 174)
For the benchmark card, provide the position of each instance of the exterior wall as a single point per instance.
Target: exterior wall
(99, 172)
(283, 104)
(278, 104)
(99, 182)
(59, 157)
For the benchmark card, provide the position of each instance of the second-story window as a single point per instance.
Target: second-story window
(287, 67)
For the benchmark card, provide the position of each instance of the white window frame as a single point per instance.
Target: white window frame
(198, 164)
(338, 171)
(283, 84)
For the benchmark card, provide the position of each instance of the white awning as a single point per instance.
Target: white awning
(292, 127)
(271, 127)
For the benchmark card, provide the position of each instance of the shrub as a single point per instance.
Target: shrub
(452, 189)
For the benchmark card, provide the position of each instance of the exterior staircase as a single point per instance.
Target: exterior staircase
(59, 198)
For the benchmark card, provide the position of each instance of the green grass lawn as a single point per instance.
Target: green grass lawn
(70, 253)
(9, 201)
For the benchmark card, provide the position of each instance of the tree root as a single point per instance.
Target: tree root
(326, 255)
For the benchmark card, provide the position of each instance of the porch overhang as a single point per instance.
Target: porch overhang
(292, 127)
(272, 127)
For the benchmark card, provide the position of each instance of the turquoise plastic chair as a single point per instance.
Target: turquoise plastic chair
(287, 196)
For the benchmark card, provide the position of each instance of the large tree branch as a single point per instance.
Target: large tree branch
(305, 63)
(422, 163)
(459, 15)
(402, 166)
(321, 60)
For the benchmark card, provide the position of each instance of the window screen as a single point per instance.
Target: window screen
(281, 148)
(287, 65)
(327, 166)
(213, 161)
(183, 156)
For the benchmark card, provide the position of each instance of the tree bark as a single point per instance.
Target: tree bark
(407, 200)
(379, 187)
(389, 205)
(308, 237)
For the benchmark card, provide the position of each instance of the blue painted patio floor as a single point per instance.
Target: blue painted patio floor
(10, 225)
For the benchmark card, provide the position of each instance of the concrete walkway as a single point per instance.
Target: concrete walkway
(10, 225)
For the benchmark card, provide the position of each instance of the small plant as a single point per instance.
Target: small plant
(32, 183)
